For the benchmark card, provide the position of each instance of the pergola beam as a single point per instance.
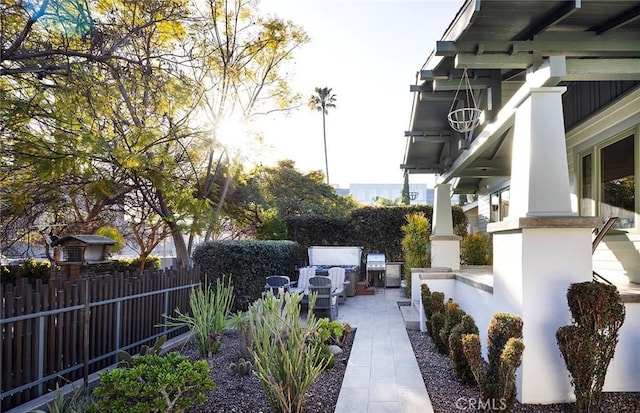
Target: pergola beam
(618, 21)
(587, 46)
(602, 69)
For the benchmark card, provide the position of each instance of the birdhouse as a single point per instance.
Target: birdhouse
(82, 250)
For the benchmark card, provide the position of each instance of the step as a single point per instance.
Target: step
(410, 317)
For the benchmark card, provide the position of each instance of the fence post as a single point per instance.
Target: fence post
(40, 354)
(166, 310)
(87, 312)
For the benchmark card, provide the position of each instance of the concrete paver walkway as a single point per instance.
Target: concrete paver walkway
(382, 375)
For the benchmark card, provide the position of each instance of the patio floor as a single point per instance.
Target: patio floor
(382, 375)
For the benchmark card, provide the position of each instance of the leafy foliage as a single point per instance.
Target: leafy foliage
(589, 344)
(154, 384)
(248, 263)
(505, 348)
(286, 359)
(126, 360)
(452, 317)
(460, 363)
(209, 314)
(476, 250)
(101, 101)
(30, 269)
(414, 245)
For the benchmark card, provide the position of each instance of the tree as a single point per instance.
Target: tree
(271, 194)
(239, 58)
(322, 101)
(136, 74)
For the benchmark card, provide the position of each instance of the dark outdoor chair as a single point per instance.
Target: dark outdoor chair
(276, 282)
(326, 301)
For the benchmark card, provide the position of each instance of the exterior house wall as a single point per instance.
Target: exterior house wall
(618, 255)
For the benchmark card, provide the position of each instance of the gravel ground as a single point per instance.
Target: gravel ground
(234, 394)
(449, 396)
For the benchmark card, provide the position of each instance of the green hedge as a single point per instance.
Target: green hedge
(248, 263)
(376, 229)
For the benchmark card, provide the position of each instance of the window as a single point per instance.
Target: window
(73, 254)
(608, 175)
(499, 205)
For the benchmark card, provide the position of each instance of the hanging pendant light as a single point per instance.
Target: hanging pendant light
(464, 119)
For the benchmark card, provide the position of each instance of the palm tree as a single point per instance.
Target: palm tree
(322, 101)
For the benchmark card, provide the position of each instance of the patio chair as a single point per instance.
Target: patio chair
(337, 275)
(275, 282)
(325, 300)
(302, 285)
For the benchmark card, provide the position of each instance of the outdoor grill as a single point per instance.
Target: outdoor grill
(376, 263)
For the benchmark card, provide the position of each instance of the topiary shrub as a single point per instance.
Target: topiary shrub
(452, 316)
(505, 346)
(475, 249)
(425, 296)
(460, 363)
(588, 345)
(435, 322)
(154, 384)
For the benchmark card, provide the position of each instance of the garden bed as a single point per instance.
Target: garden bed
(449, 396)
(244, 394)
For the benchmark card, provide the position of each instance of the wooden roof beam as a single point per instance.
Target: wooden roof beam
(551, 19)
(618, 21)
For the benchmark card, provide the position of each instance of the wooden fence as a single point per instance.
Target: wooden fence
(63, 330)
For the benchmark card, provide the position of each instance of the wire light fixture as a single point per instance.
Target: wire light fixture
(464, 119)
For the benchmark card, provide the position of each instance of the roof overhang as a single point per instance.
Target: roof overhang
(505, 47)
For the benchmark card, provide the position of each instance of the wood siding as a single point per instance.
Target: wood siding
(585, 98)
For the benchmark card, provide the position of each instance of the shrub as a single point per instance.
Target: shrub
(330, 331)
(247, 262)
(456, 352)
(414, 245)
(209, 313)
(452, 316)
(589, 344)
(435, 322)
(125, 359)
(476, 250)
(505, 347)
(425, 296)
(30, 269)
(154, 384)
(286, 359)
(375, 228)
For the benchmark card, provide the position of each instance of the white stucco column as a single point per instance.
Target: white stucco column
(541, 247)
(445, 245)
(539, 169)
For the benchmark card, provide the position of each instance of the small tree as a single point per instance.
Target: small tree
(414, 245)
(588, 345)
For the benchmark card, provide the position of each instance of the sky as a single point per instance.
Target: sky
(368, 53)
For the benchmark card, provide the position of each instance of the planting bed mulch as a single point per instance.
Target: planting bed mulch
(449, 396)
(234, 394)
